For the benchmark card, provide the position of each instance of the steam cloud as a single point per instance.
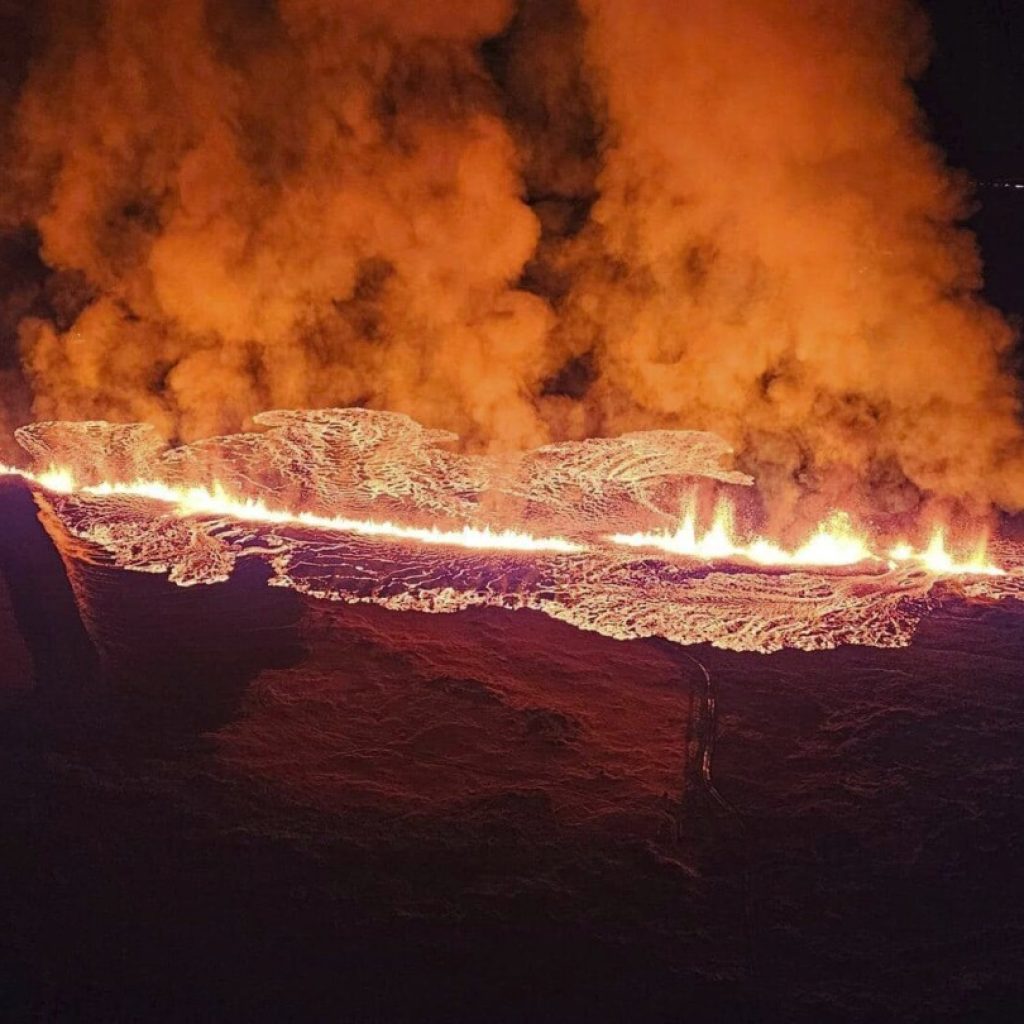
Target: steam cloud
(520, 222)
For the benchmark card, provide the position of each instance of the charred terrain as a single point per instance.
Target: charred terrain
(241, 802)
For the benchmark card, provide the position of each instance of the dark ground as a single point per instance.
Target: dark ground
(287, 811)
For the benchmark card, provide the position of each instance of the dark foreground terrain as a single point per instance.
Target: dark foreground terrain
(263, 808)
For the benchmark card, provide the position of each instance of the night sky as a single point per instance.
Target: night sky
(973, 93)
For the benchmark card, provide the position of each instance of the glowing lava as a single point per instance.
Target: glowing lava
(937, 559)
(834, 543)
(216, 501)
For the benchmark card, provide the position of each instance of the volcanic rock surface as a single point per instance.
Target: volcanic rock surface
(268, 806)
(376, 466)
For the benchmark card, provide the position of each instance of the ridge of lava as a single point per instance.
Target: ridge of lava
(355, 505)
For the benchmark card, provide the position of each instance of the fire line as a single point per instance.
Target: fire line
(834, 543)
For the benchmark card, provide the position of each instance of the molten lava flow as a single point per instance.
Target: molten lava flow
(937, 559)
(363, 506)
(835, 542)
(383, 469)
(215, 501)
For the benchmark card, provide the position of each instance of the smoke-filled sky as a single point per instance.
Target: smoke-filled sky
(522, 222)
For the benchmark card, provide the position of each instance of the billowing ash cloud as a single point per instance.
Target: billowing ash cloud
(300, 203)
(518, 222)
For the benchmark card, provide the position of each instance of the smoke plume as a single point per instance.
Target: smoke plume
(521, 223)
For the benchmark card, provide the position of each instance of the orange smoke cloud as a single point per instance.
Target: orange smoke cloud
(517, 222)
(309, 204)
(776, 249)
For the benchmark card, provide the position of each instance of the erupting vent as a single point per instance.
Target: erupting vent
(354, 505)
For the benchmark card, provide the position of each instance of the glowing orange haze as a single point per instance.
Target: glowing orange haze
(834, 542)
(523, 223)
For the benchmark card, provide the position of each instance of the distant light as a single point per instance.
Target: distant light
(1012, 184)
